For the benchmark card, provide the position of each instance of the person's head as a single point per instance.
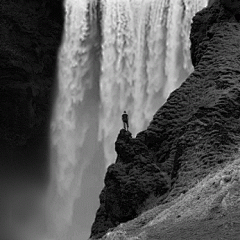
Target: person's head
(124, 112)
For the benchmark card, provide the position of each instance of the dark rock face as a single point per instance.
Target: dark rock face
(231, 5)
(194, 133)
(30, 36)
(128, 183)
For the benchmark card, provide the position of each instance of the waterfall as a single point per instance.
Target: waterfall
(130, 59)
(145, 56)
(74, 124)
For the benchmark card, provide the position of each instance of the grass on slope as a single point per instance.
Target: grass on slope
(208, 205)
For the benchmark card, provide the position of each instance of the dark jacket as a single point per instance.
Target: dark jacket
(125, 117)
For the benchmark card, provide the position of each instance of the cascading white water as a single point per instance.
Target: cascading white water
(144, 56)
(75, 116)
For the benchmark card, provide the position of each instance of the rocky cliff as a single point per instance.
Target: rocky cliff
(30, 34)
(194, 134)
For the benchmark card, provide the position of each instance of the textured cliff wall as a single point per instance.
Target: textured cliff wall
(30, 34)
(231, 5)
(193, 134)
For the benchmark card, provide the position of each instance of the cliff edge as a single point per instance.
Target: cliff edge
(192, 139)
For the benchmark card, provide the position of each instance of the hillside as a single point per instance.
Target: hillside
(184, 162)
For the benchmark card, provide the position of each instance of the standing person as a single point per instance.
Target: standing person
(125, 120)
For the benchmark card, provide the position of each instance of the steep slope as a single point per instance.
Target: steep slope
(194, 134)
(210, 210)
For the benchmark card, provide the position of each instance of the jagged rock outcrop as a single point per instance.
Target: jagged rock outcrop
(128, 183)
(194, 133)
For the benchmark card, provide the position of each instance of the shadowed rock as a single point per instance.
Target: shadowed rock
(232, 5)
(30, 37)
(29, 42)
(128, 183)
(30, 34)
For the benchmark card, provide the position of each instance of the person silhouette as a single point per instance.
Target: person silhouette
(125, 120)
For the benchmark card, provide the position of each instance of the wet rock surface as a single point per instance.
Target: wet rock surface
(193, 134)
